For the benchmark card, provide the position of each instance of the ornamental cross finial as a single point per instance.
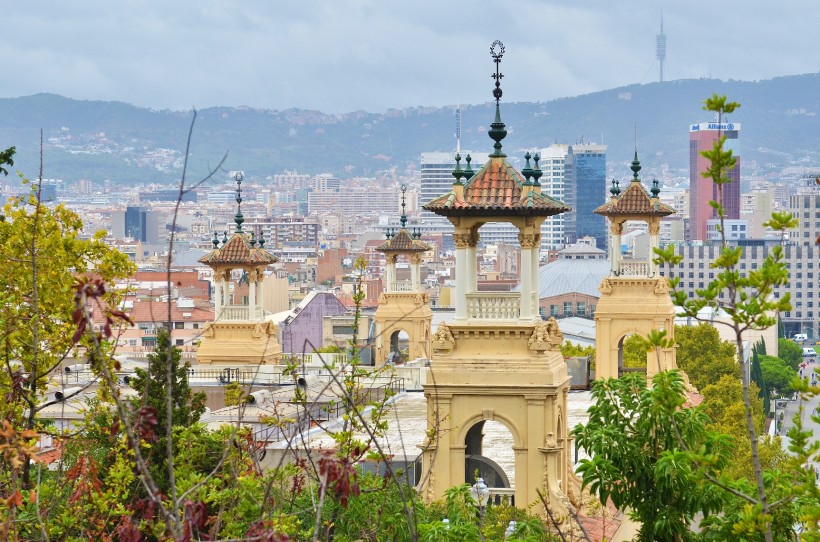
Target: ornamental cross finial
(239, 219)
(403, 215)
(497, 51)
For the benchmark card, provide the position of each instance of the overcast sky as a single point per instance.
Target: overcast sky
(344, 55)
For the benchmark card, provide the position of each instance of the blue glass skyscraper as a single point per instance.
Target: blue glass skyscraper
(585, 189)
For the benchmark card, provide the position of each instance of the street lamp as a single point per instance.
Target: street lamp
(510, 530)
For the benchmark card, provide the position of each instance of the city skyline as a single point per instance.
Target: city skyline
(346, 56)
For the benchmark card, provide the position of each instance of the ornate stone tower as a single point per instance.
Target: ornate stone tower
(239, 333)
(404, 305)
(634, 298)
(497, 359)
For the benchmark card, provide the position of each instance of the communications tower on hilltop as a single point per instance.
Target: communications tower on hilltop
(660, 48)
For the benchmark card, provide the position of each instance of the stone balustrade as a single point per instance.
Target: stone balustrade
(401, 286)
(634, 268)
(239, 312)
(494, 305)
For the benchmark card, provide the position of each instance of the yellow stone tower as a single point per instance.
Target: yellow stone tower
(634, 297)
(497, 359)
(239, 333)
(404, 305)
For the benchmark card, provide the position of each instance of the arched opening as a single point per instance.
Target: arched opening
(631, 354)
(489, 455)
(399, 347)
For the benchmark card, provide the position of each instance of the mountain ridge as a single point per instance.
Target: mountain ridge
(126, 143)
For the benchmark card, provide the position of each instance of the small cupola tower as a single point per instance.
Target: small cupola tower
(634, 297)
(404, 305)
(497, 360)
(239, 334)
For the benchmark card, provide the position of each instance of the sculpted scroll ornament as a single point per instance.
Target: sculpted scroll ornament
(443, 338)
(208, 331)
(662, 286)
(546, 336)
(605, 287)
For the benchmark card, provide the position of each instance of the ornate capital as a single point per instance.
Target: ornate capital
(617, 228)
(654, 228)
(415, 258)
(463, 240)
(529, 240)
(605, 287)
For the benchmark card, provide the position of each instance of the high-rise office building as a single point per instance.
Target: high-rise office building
(584, 190)
(141, 224)
(553, 161)
(702, 190)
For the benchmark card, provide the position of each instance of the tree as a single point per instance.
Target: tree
(571, 350)
(790, 352)
(723, 404)
(152, 390)
(703, 355)
(777, 375)
(6, 159)
(43, 256)
(634, 351)
(638, 437)
(756, 376)
(747, 297)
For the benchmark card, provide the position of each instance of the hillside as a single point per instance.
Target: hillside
(112, 140)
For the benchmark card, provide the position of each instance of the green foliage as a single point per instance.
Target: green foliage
(330, 349)
(790, 352)
(634, 351)
(6, 160)
(703, 356)
(152, 390)
(571, 350)
(638, 438)
(756, 377)
(723, 404)
(777, 375)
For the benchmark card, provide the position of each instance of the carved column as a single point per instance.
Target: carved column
(462, 241)
(528, 247)
(616, 229)
(472, 263)
(536, 285)
(415, 272)
(217, 294)
(654, 242)
(251, 294)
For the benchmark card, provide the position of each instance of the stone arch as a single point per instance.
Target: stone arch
(492, 415)
(395, 353)
(631, 306)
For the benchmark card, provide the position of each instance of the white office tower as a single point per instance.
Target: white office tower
(437, 177)
(552, 184)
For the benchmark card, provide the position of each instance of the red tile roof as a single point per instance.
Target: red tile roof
(403, 242)
(634, 201)
(237, 250)
(496, 189)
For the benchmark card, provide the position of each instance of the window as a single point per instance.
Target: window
(553, 310)
(581, 308)
(567, 307)
(179, 325)
(132, 342)
(196, 325)
(180, 342)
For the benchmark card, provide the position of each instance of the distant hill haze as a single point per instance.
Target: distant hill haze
(99, 140)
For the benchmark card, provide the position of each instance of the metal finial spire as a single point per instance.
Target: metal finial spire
(656, 188)
(527, 170)
(497, 51)
(468, 171)
(635, 167)
(239, 219)
(536, 172)
(403, 215)
(497, 130)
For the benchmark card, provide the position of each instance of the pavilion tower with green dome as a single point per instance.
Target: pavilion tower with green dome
(403, 305)
(496, 359)
(239, 334)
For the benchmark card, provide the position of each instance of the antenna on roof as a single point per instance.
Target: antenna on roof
(458, 126)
